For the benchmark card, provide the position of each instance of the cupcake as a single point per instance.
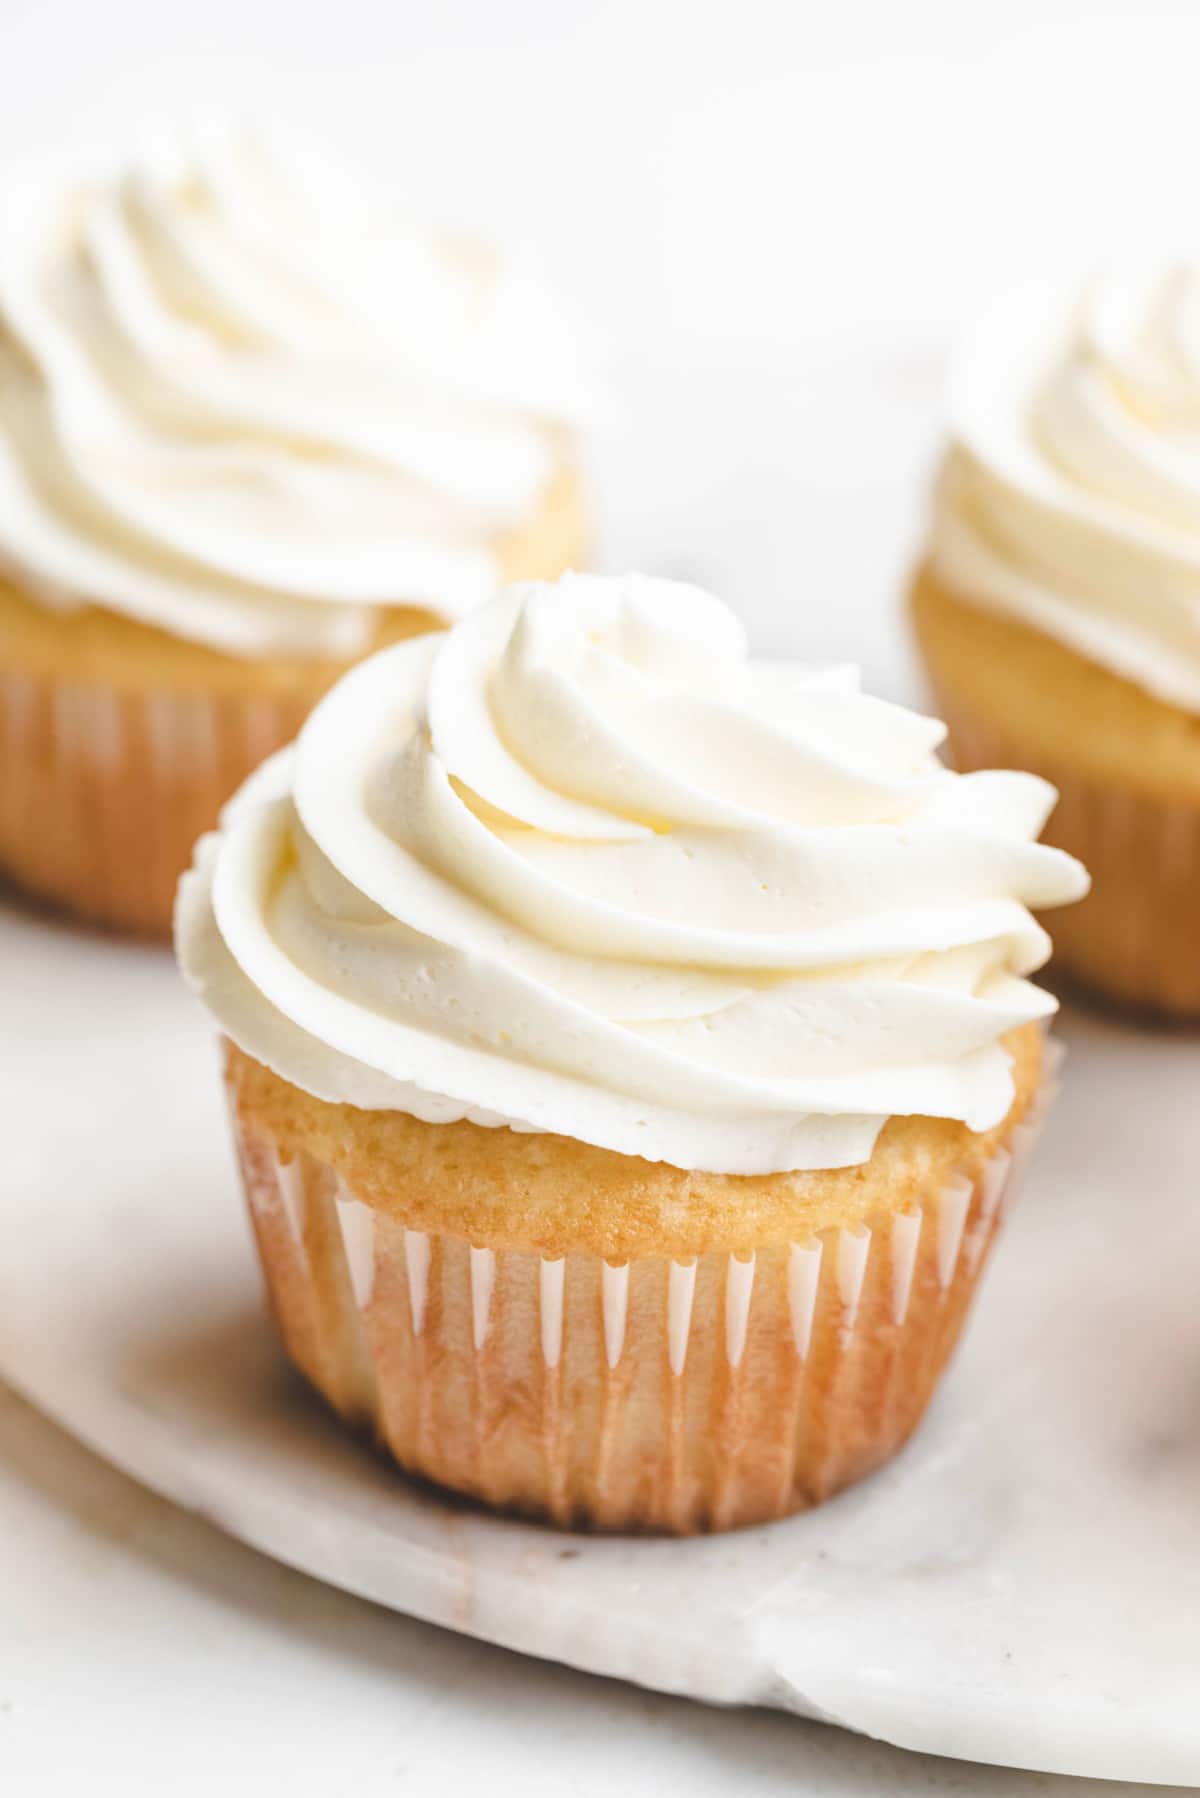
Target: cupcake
(251, 428)
(628, 1048)
(1058, 604)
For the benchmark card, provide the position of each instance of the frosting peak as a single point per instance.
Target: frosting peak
(240, 402)
(1070, 497)
(580, 866)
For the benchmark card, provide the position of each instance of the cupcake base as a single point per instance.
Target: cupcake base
(1136, 936)
(1127, 770)
(119, 744)
(105, 792)
(654, 1393)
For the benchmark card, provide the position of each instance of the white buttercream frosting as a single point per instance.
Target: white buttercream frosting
(1070, 498)
(241, 402)
(579, 866)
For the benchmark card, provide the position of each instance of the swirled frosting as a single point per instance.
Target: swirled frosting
(239, 402)
(1070, 497)
(579, 866)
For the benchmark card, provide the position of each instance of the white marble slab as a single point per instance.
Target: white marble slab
(1021, 1587)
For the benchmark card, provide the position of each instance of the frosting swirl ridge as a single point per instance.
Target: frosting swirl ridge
(1070, 496)
(241, 403)
(580, 866)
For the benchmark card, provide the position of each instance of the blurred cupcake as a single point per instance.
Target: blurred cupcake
(251, 428)
(1058, 606)
(628, 1047)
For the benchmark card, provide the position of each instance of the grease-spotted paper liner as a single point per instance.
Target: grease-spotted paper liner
(104, 792)
(1136, 937)
(657, 1394)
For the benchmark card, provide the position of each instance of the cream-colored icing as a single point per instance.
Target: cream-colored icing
(580, 866)
(240, 402)
(1070, 495)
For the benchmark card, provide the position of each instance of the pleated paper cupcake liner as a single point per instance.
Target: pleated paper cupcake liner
(654, 1395)
(104, 792)
(1136, 937)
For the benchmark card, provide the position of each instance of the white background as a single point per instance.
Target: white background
(773, 217)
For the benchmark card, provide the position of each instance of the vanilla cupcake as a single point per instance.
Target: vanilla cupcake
(251, 428)
(1058, 606)
(628, 1047)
